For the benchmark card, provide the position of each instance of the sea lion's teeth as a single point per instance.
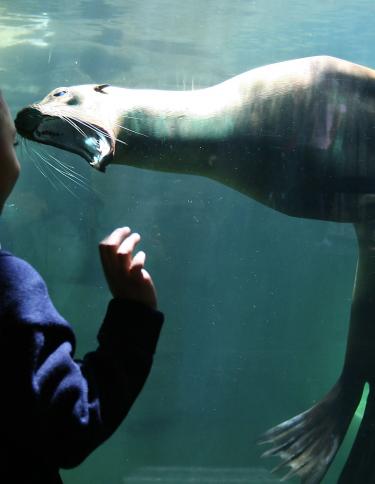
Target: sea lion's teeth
(91, 144)
(104, 146)
(97, 147)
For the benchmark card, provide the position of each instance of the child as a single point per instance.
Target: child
(56, 410)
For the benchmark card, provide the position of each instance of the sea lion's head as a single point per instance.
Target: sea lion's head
(76, 119)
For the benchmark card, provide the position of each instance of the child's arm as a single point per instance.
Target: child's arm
(59, 408)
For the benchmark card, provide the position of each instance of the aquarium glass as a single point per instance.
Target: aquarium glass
(256, 302)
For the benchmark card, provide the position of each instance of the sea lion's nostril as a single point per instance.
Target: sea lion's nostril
(27, 120)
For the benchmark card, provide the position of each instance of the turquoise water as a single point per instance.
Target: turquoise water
(256, 303)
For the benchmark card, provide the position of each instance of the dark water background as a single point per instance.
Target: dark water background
(257, 303)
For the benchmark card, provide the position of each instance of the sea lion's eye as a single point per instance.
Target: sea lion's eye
(60, 93)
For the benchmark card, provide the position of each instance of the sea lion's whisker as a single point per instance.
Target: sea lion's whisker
(130, 130)
(71, 176)
(70, 173)
(37, 165)
(74, 125)
(37, 160)
(87, 125)
(132, 117)
(63, 171)
(74, 176)
(46, 167)
(121, 141)
(98, 130)
(91, 126)
(26, 152)
(68, 168)
(51, 167)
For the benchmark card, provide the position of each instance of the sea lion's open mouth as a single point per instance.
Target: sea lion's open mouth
(91, 142)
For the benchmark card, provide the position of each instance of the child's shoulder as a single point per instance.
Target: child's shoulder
(24, 294)
(10, 262)
(16, 272)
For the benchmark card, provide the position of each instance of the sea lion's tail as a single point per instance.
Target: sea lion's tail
(308, 442)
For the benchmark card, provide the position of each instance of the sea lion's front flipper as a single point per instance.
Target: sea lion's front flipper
(308, 442)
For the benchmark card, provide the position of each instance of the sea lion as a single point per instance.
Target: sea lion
(298, 136)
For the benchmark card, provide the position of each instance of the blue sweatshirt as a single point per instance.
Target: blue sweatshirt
(54, 409)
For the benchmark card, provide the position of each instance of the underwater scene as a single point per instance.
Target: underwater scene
(257, 302)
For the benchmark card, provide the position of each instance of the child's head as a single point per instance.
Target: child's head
(9, 165)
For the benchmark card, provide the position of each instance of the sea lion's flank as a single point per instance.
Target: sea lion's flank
(298, 136)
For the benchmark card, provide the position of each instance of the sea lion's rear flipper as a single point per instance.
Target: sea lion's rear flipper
(308, 442)
(360, 465)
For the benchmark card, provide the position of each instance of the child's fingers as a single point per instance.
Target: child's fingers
(138, 261)
(108, 246)
(115, 238)
(126, 248)
(146, 277)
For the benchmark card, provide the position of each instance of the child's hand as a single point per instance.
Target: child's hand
(125, 274)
